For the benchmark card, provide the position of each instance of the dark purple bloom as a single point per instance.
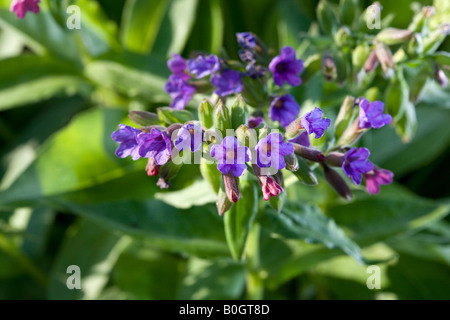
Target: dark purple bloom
(255, 71)
(286, 67)
(126, 136)
(253, 122)
(21, 7)
(231, 156)
(371, 115)
(377, 177)
(312, 122)
(178, 66)
(284, 109)
(179, 90)
(189, 136)
(271, 151)
(227, 82)
(156, 145)
(203, 66)
(356, 163)
(246, 40)
(302, 139)
(247, 56)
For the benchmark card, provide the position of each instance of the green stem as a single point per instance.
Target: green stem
(255, 284)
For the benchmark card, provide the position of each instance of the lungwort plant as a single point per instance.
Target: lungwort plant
(170, 155)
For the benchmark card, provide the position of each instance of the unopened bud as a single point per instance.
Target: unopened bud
(441, 78)
(329, 67)
(371, 62)
(173, 127)
(326, 17)
(433, 41)
(351, 134)
(344, 116)
(221, 118)
(205, 114)
(337, 182)
(308, 153)
(231, 184)
(294, 129)
(166, 173)
(246, 136)
(144, 118)
(343, 36)
(384, 55)
(391, 36)
(335, 159)
(152, 168)
(239, 113)
(223, 203)
(291, 162)
(360, 55)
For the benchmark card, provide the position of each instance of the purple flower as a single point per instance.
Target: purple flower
(255, 71)
(355, 164)
(21, 7)
(179, 90)
(271, 151)
(227, 82)
(156, 145)
(126, 136)
(203, 66)
(253, 122)
(178, 66)
(247, 56)
(312, 122)
(284, 109)
(377, 177)
(231, 156)
(246, 40)
(189, 136)
(286, 67)
(302, 139)
(371, 115)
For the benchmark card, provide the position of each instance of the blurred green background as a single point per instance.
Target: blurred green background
(67, 200)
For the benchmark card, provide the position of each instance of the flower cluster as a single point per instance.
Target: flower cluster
(21, 7)
(274, 136)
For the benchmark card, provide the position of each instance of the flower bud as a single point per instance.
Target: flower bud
(304, 173)
(432, 42)
(360, 55)
(210, 173)
(239, 113)
(294, 129)
(349, 11)
(308, 153)
(329, 67)
(223, 203)
(326, 17)
(371, 62)
(337, 182)
(343, 36)
(334, 159)
(441, 78)
(144, 118)
(169, 115)
(205, 114)
(231, 184)
(346, 113)
(391, 36)
(351, 134)
(246, 136)
(291, 162)
(384, 55)
(173, 127)
(419, 19)
(166, 173)
(152, 168)
(221, 118)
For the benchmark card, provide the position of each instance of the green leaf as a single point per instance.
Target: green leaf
(141, 23)
(170, 116)
(213, 280)
(391, 213)
(42, 33)
(77, 157)
(95, 261)
(297, 221)
(141, 273)
(239, 219)
(28, 79)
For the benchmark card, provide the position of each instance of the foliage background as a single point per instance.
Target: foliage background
(66, 200)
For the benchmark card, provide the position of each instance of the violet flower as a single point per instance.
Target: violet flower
(377, 177)
(253, 122)
(246, 40)
(231, 157)
(286, 67)
(21, 7)
(284, 109)
(271, 151)
(227, 82)
(356, 163)
(126, 136)
(178, 66)
(189, 136)
(203, 66)
(179, 90)
(312, 122)
(302, 139)
(371, 115)
(156, 145)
